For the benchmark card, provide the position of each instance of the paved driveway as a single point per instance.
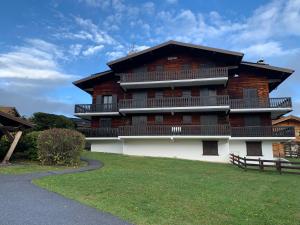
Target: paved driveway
(22, 203)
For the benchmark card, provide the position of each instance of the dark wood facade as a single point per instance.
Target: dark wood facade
(242, 84)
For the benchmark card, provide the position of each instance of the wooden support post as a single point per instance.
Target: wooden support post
(12, 148)
(245, 163)
(261, 164)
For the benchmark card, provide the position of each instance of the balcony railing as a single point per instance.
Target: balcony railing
(92, 108)
(192, 130)
(263, 131)
(259, 103)
(172, 130)
(214, 72)
(100, 132)
(220, 100)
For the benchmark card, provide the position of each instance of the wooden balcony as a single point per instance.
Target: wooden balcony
(263, 131)
(175, 104)
(204, 76)
(96, 109)
(175, 130)
(99, 132)
(191, 130)
(277, 106)
(158, 130)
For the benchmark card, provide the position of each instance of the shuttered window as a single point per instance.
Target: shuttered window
(186, 66)
(254, 148)
(186, 93)
(210, 148)
(105, 122)
(159, 94)
(159, 119)
(252, 120)
(159, 68)
(139, 120)
(187, 119)
(209, 119)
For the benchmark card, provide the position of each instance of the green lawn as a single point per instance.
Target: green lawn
(170, 191)
(23, 167)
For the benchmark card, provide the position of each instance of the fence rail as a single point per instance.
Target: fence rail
(100, 132)
(219, 100)
(213, 72)
(285, 102)
(263, 131)
(91, 108)
(261, 164)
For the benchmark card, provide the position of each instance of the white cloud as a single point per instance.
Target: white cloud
(75, 49)
(35, 60)
(268, 49)
(111, 55)
(92, 50)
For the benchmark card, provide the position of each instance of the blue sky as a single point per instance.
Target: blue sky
(45, 45)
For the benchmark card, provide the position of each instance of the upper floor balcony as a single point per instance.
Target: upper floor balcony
(88, 110)
(203, 76)
(175, 104)
(277, 106)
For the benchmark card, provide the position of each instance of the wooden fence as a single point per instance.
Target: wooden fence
(261, 164)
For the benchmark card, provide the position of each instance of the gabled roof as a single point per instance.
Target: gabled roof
(235, 56)
(286, 118)
(13, 121)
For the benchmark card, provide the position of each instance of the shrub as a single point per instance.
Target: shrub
(60, 147)
(25, 149)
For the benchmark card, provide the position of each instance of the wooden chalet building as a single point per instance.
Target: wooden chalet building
(186, 101)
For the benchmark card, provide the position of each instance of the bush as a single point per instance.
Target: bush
(25, 149)
(60, 147)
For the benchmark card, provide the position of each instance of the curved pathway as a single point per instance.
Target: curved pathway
(23, 203)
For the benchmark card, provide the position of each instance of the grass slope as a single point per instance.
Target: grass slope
(169, 191)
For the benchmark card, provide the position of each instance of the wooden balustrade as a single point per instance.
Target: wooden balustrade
(260, 103)
(220, 100)
(91, 108)
(213, 72)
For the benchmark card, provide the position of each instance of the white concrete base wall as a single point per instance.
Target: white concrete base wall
(238, 147)
(109, 146)
(191, 149)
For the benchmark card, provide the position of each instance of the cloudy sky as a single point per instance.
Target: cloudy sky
(45, 45)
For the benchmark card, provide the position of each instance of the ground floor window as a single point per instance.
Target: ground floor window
(254, 148)
(210, 148)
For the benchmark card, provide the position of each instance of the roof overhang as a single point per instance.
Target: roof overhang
(12, 121)
(170, 47)
(276, 75)
(87, 83)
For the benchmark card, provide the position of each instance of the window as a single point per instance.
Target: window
(187, 119)
(186, 93)
(210, 148)
(252, 120)
(105, 122)
(139, 120)
(186, 66)
(159, 68)
(254, 148)
(107, 99)
(159, 119)
(159, 94)
(209, 120)
(208, 92)
(140, 69)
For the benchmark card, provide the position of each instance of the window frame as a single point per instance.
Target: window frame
(258, 153)
(208, 144)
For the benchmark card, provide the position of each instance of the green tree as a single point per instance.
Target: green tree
(44, 121)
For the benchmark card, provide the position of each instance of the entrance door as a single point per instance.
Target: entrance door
(250, 97)
(208, 95)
